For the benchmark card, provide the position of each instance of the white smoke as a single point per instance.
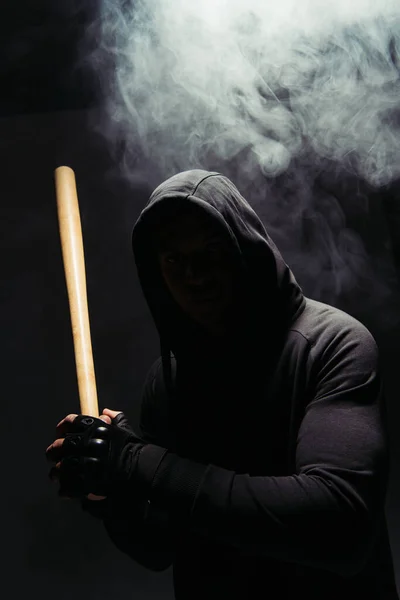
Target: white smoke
(268, 92)
(269, 78)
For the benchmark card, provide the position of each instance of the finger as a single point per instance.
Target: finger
(69, 417)
(95, 498)
(64, 425)
(70, 477)
(111, 413)
(54, 473)
(54, 450)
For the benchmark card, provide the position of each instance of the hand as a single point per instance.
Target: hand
(95, 455)
(106, 417)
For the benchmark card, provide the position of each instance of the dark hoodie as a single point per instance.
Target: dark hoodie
(267, 465)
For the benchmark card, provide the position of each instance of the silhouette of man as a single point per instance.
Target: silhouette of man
(261, 465)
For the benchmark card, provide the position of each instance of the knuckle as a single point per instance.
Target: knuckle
(102, 431)
(98, 447)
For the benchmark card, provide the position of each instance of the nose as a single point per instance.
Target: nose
(195, 271)
(194, 275)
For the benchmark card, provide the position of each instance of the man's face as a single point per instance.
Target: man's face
(199, 269)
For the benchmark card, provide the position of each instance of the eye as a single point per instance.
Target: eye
(171, 259)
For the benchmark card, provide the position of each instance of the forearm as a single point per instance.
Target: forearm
(297, 518)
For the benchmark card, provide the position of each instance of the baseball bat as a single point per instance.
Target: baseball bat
(74, 266)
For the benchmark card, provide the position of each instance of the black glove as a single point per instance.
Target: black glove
(95, 457)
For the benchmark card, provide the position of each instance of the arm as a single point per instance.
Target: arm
(326, 513)
(134, 526)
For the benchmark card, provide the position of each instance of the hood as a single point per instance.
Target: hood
(272, 298)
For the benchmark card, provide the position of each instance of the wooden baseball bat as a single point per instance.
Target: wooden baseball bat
(74, 266)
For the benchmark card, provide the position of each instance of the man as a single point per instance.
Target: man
(262, 464)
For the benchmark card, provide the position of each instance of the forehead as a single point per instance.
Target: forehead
(197, 226)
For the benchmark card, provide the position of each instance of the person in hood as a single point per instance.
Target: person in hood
(262, 462)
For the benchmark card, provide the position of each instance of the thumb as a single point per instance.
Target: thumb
(111, 413)
(105, 419)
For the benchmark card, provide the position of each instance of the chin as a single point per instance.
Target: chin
(213, 325)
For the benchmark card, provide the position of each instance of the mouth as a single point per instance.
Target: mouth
(205, 296)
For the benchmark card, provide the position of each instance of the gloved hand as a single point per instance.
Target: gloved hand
(92, 456)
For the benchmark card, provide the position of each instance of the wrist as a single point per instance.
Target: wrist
(148, 461)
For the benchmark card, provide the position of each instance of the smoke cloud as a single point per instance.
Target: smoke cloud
(268, 92)
(269, 79)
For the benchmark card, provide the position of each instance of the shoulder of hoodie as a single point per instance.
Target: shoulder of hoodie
(327, 331)
(322, 329)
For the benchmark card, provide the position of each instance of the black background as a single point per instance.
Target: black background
(49, 100)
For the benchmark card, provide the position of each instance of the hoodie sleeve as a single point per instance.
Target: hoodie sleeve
(324, 515)
(135, 527)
